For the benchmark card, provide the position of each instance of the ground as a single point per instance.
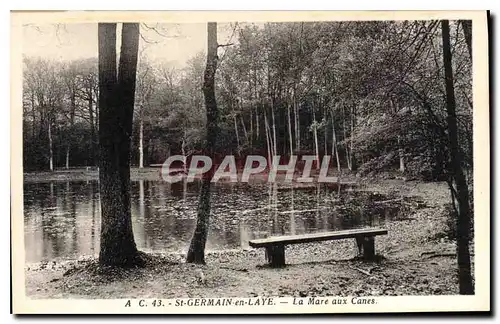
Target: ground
(416, 258)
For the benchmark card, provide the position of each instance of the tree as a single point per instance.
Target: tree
(196, 253)
(116, 104)
(43, 92)
(364, 91)
(70, 77)
(461, 193)
(467, 28)
(146, 82)
(88, 94)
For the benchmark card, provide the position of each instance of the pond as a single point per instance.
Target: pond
(62, 219)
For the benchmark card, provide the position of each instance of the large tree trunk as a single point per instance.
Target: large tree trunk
(196, 253)
(462, 193)
(116, 104)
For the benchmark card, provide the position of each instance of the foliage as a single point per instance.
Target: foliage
(377, 85)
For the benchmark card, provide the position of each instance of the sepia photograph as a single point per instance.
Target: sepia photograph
(265, 162)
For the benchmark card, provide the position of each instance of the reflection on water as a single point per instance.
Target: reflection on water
(62, 219)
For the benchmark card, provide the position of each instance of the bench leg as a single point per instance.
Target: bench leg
(276, 256)
(369, 248)
(366, 247)
(359, 243)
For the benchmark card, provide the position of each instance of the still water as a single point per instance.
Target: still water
(62, 219)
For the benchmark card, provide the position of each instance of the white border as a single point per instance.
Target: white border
(479, 140)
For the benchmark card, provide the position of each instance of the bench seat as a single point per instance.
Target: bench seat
(275, 245)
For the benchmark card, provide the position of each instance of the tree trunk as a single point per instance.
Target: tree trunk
(141, 141)
(51, 153)
(33, 111)
(293, 226)
(141, 199)
(463, 217)
(315, 133)
(325, 141)
(67, 156)
(395, 110)
(290, 136)
(92, 130)
(116, 102)
(96, 119)
(467, 28)
(251, 129)
(92, 226)
(183, 150)
(334, 144)
(268, 141)
(351, 142)
(274, 127)
(297, 122)
(236, 132)
(257, 128)
(401, 156)
(72, 123)
(196, 253)
(347, 153)
(244, 128)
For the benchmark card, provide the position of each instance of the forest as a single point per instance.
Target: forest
(368, 94)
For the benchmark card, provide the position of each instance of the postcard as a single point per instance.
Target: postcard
(265, 162)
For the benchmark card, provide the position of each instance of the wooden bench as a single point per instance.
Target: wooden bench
(275, 246)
